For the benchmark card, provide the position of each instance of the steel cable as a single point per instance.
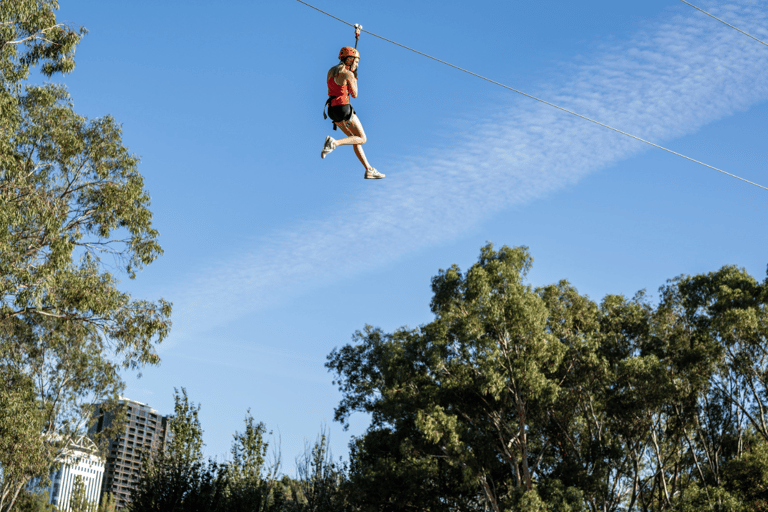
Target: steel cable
(541, 100)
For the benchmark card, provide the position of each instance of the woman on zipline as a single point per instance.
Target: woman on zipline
(342, 82)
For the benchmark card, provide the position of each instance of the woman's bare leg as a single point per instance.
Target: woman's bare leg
(355, 136)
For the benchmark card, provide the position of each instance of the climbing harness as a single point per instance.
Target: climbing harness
(340, 93)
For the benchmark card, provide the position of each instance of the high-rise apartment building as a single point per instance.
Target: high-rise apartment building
(146, 432)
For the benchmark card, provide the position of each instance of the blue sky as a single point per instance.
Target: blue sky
(273, 256)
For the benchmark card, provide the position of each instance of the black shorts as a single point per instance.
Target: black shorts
(339, 113)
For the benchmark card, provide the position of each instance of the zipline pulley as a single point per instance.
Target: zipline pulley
(358, 28)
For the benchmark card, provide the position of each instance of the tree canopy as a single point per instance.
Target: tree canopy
(74, 215)
(522, 398)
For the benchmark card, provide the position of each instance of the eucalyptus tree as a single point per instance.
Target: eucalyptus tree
(176, 478)
(34, 501)
(253, 485)
(74, 215)
(726, 311)
(78, 501)
(186, 443)
(107, 503)
(715, 332)
(394, 466)
(249, 451)
(521, 399)
(22, 449)
(592, 444)
(472, 386)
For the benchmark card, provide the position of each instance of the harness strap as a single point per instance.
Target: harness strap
(328, 104)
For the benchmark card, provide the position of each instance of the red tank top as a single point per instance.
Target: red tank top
(340, 91)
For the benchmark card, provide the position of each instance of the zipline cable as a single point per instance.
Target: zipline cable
(540, 100)
(725, 23)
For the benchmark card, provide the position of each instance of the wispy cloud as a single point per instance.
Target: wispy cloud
(667, 81)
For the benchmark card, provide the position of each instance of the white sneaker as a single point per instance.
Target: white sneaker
(330, 145)
(373, 174)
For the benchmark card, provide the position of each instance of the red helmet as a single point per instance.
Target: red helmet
(348, 51)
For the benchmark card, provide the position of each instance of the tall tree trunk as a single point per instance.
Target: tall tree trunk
(661, 471)
(490, 496)
(523, 444)
(8, 506)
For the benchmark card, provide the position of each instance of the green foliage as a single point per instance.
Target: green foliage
(522, 399)
(473, 386)
(70, 196)
(30, 35)
(107, 503)
(252, 485)
(186, 444)
(169, 484)
(747, 478)
(33, 502)
(249, 452)
(78, 501)
(558, 498)
(695, 499)
(392, 470)
(23, 451)
(322, 482)
(526, 501)
(178, 480)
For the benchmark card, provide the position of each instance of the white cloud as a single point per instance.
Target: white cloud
(668, 81)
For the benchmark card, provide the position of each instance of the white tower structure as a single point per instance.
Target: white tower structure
(79, 458)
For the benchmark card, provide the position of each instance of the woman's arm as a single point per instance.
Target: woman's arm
(351, 82)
